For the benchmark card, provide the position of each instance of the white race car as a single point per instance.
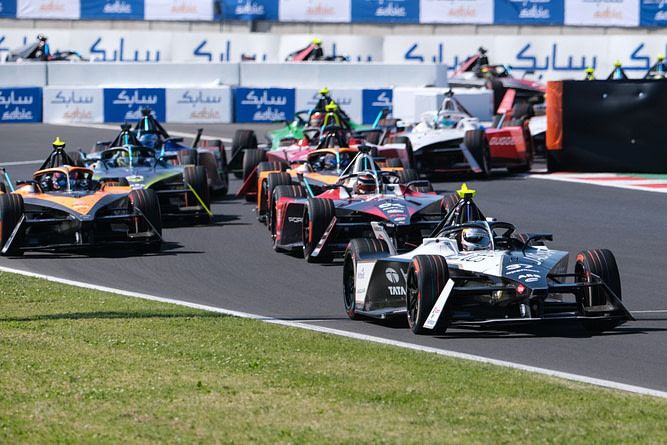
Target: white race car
(473, 271)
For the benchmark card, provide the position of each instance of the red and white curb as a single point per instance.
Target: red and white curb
(638, 182)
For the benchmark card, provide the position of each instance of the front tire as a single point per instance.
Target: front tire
(478, 145)
(356, 249)
(195, 177)
(602, 263)
(11, 211)
(317, 216)
(427, 277)
(146, 202)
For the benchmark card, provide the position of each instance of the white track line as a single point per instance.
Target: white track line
(476, 358)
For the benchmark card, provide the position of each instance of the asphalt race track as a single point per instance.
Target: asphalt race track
(231, 264)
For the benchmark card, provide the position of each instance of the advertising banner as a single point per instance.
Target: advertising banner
(396, 11)
(20, 105)
(125, 104)
(178, 10)
(529, 12)
(198, 105)
(311, 11)
(250, 10)
(113, 10)
(602, 13)
(47, 9)
(348, 100)
(264, 105)
(67, 105)
(374, 101)
(456, 12)
(8, 8)
(653, 13)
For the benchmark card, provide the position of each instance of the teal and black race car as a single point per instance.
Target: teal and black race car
(182, 191)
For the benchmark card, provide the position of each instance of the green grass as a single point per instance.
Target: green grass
(83, 366)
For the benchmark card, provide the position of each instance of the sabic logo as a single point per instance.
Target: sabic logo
(392, 275)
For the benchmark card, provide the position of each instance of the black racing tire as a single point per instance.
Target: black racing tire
(553, 164)
(273, 180)
(252, 157)
(427, 277)
(499, 91)
(195, 176)
(316, 218)
(394, 163)
(271, 166)
(188, 156)
(11, 210)
(412, 162)
(3, 188)
(602, 263)
(146, 201)
(218, 180)
(243, 140)
(356, 249)
(281, 191)
(478, 144)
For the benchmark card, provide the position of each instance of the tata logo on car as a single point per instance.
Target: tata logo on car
(392, 275)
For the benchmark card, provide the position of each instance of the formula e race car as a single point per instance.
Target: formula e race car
(181, 190)
(474, 271)
(452, 140)
(147, 132)
(325, 113)
(363, 197)
(63, 208)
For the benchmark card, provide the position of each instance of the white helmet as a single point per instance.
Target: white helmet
(475, 239)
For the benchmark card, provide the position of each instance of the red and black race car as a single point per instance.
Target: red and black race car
(364, 199)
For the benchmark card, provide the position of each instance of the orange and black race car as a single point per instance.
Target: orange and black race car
(63, 208)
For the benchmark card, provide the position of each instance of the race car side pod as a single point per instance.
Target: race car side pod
(7, 180)
(200, 201)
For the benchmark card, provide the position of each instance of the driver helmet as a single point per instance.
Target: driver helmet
(474, 238)
(149, 140)
(59, 181)
(365, 184)
(316, 119)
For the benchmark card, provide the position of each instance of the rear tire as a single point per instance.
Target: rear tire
(218, 179)
(478, 145)
(356, 249)
(243, 140)
(602, 263)
(427, 277)
(317, 216)
(187, 156)
(146, 201)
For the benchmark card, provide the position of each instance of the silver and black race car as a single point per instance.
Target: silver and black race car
(474, 272)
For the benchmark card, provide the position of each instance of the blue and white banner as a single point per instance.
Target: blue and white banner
(8, 8)
(20, 105)
(250, 10)
(68, 105)
(456, 12)
(653, 13)
(178, 10)
(113, 10)
(602, 13)
(397, 11)
(264, 105)
(529, 12)
(199, 105)
(48, 9)
(374, 101)
(125, 104)
(312, 11)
